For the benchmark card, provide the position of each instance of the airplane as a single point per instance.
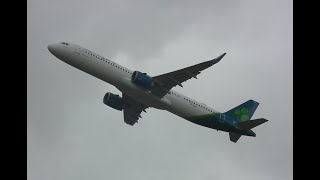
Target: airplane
(141, 91)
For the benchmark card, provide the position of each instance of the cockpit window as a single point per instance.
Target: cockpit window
(64, 43)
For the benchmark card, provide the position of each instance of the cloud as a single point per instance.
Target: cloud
(73, 135)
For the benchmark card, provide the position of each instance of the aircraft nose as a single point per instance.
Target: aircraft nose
(51, 48)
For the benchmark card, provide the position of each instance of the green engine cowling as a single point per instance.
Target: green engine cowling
(113, 100)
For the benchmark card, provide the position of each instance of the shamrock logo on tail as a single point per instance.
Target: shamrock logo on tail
(242, 114)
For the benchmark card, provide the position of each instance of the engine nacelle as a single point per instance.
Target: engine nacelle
(113, 100)
(142, 79)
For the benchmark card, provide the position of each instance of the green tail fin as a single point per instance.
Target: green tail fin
(243, 112)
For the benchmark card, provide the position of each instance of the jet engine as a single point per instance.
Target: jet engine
(113, 100)
(142, 79)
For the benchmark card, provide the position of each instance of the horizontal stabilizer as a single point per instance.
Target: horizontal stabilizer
(250, 124)
(234, 137)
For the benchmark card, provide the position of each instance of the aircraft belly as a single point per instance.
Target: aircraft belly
(99, 70)
(141, 95)
(183, 109)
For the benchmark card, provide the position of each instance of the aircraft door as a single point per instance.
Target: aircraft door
(79, 52)
(222, 118)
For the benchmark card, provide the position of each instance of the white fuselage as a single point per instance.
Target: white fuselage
(120, 77)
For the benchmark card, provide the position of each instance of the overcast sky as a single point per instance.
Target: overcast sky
(73, 135)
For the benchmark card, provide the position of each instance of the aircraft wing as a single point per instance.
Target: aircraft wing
(167, 81)
(132, 110)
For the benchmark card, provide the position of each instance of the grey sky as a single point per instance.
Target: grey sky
(73, 135)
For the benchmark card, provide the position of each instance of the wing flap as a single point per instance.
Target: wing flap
(132, 110)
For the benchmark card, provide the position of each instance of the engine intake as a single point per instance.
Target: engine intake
(113, 100)
(142, 79)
